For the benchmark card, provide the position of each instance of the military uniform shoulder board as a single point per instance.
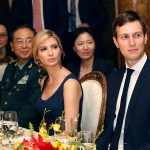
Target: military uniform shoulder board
(13, 60)
(30, 65)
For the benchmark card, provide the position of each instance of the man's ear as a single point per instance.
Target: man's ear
(145, 38)
(11, 44)
(115, 42)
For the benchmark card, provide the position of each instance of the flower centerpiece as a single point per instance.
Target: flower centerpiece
(40, 140)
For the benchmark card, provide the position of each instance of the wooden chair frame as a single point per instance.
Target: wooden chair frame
(99, 76)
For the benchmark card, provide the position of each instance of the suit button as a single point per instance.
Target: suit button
(9, 93)
(5, 103)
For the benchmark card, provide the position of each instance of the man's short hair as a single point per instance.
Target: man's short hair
(127, 16)
(22, 27)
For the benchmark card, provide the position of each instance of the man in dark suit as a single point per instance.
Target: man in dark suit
(5, 8)
(53, 14)
(89, 13)
(130, 36)
(19, 87)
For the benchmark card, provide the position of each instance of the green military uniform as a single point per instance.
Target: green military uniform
(19, 92)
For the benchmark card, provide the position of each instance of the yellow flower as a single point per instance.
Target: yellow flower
(74, 147)
(44, 134)
(55, 144)
(43, 130)
(56, 127)
(71, 138)
(63, 147)
(16, 145)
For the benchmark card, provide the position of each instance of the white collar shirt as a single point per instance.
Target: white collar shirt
(137, 67)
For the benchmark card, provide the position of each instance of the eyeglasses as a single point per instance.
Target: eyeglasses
(3, 35)
(27, 41)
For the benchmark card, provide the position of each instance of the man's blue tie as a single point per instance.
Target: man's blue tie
(117, 132)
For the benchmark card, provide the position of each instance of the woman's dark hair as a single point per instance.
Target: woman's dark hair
(79, 31)
(127, 16)
(8, 49)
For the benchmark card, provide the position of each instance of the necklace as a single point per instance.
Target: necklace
(82, 71)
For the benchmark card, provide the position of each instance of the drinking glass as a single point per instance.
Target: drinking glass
(1, 119)
(66, 125)
(10, 125)
(87, 137)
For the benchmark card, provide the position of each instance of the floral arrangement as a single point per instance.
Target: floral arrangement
(40, 141)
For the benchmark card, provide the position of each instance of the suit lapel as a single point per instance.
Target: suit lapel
(136, 93)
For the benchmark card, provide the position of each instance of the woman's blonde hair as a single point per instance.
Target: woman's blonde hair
(40, 37)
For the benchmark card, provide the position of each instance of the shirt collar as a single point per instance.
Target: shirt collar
(139, 65)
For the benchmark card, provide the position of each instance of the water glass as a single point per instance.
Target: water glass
(10, 125)
(87, 137)
(66, 125)
(1, 119)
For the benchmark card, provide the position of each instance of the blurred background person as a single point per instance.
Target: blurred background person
(5, 56)
(5, 10)
(19, 87)
(40, 14)
(84, 46)
(85, 13)
(61, 91)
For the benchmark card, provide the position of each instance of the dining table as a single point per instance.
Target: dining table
(22, 133)
(25, 134)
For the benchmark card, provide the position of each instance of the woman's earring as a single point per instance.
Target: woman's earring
(63, 54)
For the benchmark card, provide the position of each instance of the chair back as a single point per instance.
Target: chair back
(94, 101)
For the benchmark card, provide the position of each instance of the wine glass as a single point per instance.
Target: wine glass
(10, 125)
(1, 119)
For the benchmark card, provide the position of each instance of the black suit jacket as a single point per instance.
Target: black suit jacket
(4, 11)
(105, 66)
(54, 14)
(92, 12)
(137, 122)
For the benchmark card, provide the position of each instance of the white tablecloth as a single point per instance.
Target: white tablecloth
(4, 143)
(26, 135)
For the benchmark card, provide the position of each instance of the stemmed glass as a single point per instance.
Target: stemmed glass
(10, 125)
(1, 119)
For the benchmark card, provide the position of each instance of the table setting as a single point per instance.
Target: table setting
(13, 137)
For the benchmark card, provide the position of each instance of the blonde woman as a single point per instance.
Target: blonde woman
(61, 91)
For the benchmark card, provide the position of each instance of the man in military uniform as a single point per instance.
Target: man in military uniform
(19, 87)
